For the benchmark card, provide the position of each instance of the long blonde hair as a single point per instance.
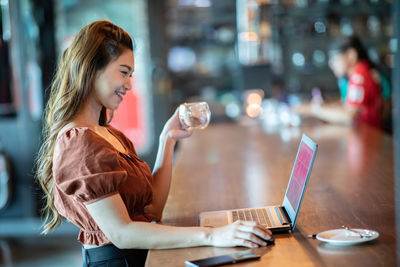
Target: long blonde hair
(92, 49)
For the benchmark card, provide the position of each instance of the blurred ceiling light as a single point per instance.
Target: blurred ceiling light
(250, 94)
(298, 59)
(227, 98)
(374, 25)
(181, 59)
(265, 29)
(232, 110)
(373, 54)
(270, 121)
(225, 35)
(284, 116)
(253, 102)
(319, 27)
(345, 27)
(319, 58)
(295, 120)
(248, 37)
(285, 134)
(253, 110)
(254, 98)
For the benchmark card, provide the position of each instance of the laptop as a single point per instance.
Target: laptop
(276, 218)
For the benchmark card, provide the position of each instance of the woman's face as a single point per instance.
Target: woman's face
(337, 63)
(114, 80)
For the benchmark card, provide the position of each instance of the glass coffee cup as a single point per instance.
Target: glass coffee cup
(196, 115)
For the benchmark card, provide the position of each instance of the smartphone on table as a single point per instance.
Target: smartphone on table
(245, 255)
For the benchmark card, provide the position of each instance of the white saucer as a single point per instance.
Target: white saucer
(343, 237)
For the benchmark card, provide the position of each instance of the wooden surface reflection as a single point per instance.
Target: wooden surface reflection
(236, 166)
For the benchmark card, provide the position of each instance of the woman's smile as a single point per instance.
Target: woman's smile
(120, 95)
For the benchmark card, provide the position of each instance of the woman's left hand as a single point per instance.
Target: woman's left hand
(174, 129)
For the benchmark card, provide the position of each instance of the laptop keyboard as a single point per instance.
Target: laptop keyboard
(257, 215)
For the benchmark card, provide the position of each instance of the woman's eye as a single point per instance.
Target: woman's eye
(124, 73)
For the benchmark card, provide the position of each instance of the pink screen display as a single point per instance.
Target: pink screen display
(299, 176)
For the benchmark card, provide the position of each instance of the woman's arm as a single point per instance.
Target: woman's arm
(111, 215)
(162, 172)
(331, 113)
(336, 114)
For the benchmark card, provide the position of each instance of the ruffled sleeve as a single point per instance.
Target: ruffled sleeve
(86, 166)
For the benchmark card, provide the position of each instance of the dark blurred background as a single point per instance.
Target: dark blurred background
(186, 50)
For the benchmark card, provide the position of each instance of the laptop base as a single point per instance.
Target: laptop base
(277, 220)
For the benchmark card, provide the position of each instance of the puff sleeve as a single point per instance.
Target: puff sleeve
(86, 166)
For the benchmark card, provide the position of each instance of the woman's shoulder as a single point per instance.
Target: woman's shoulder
(362, 68)
(79, 138)
(80, 144)
(73, 131)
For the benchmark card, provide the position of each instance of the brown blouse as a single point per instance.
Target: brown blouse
(87, 168)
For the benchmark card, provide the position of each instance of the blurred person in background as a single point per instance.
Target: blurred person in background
(91, 173)
(361, 87)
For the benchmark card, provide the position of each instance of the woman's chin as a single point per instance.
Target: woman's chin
(113, 107)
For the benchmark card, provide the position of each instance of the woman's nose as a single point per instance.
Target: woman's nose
(128, 84)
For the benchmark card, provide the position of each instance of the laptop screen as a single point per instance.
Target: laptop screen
(300, 171)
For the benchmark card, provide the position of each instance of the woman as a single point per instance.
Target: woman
(359, 85)
(361, 90)
(90, 172)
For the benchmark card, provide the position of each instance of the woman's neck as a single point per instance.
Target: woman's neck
(89, 114)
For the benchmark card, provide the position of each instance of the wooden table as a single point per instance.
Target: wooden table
(237, 166)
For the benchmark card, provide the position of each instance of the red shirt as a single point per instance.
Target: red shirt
(365, 93)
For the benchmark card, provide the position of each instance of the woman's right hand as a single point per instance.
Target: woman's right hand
(174, 129)
(240, 233)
